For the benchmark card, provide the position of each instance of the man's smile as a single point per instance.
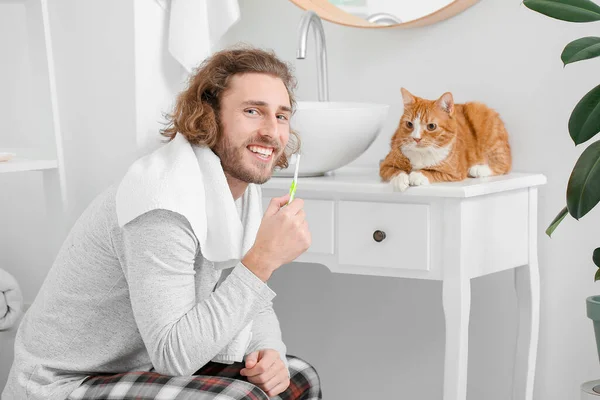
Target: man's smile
(261, 152)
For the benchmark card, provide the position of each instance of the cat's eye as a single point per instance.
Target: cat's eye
(431, 127)
(409, 124)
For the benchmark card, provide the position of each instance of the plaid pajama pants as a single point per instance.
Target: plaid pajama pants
(214, 381)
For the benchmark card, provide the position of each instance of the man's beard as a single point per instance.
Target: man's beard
(234, 166)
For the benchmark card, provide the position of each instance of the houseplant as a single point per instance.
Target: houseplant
(583, 189)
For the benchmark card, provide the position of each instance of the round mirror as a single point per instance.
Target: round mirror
(385, 13)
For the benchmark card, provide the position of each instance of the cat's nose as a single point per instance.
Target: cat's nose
(417, 139)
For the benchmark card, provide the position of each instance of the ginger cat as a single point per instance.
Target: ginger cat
(438, 140)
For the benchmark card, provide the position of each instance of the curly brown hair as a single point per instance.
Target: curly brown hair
(196, 113)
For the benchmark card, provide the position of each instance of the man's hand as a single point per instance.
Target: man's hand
(283, 235)
(266, 370)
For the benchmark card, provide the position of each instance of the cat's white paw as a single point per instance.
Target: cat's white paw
(400, 182)
(480, 171)
(416, 178)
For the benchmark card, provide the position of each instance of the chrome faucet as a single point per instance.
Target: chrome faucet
(311, 18)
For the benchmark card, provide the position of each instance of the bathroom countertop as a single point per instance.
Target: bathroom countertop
(367, 180)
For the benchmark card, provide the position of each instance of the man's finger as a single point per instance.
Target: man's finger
(251, 359)
(268, 378)
(294, 207)
(259, 369)
(276, 375)
(279, 388)
(302, 215)
(276, 203)
(263, 365)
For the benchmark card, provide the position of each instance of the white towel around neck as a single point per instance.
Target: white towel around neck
(190, 181)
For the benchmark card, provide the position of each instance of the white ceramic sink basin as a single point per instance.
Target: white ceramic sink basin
(333, 134)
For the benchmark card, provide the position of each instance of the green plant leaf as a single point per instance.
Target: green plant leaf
(596, 257)
(584, 122)
(583, 190)
(581, 49)
(557, 220)
(566, 10)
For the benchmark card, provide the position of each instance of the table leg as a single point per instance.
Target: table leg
(457, 307)
(527, 285)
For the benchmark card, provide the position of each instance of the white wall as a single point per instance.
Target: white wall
(388, 333)
(94, 50)
(13, 75)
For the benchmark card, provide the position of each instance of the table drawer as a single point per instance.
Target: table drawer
(393, 235)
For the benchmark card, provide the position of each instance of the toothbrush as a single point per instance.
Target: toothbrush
(295, 180)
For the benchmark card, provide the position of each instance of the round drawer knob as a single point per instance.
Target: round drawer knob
(378, 236)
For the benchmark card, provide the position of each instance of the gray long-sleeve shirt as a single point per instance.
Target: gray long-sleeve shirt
(137, 298)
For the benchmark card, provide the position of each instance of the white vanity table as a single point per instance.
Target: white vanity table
(445, 231)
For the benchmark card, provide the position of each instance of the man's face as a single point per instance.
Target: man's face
(255, 122)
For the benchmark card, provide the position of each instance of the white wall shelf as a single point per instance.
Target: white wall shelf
(41, 124)
(26, 164)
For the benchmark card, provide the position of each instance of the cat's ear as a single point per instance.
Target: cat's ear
(407, 97)
(446, 102)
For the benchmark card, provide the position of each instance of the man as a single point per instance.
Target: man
(159, 291)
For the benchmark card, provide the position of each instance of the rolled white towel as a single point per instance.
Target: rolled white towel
(11, 300)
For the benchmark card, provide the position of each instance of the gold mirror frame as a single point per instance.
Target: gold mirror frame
(332, 13)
